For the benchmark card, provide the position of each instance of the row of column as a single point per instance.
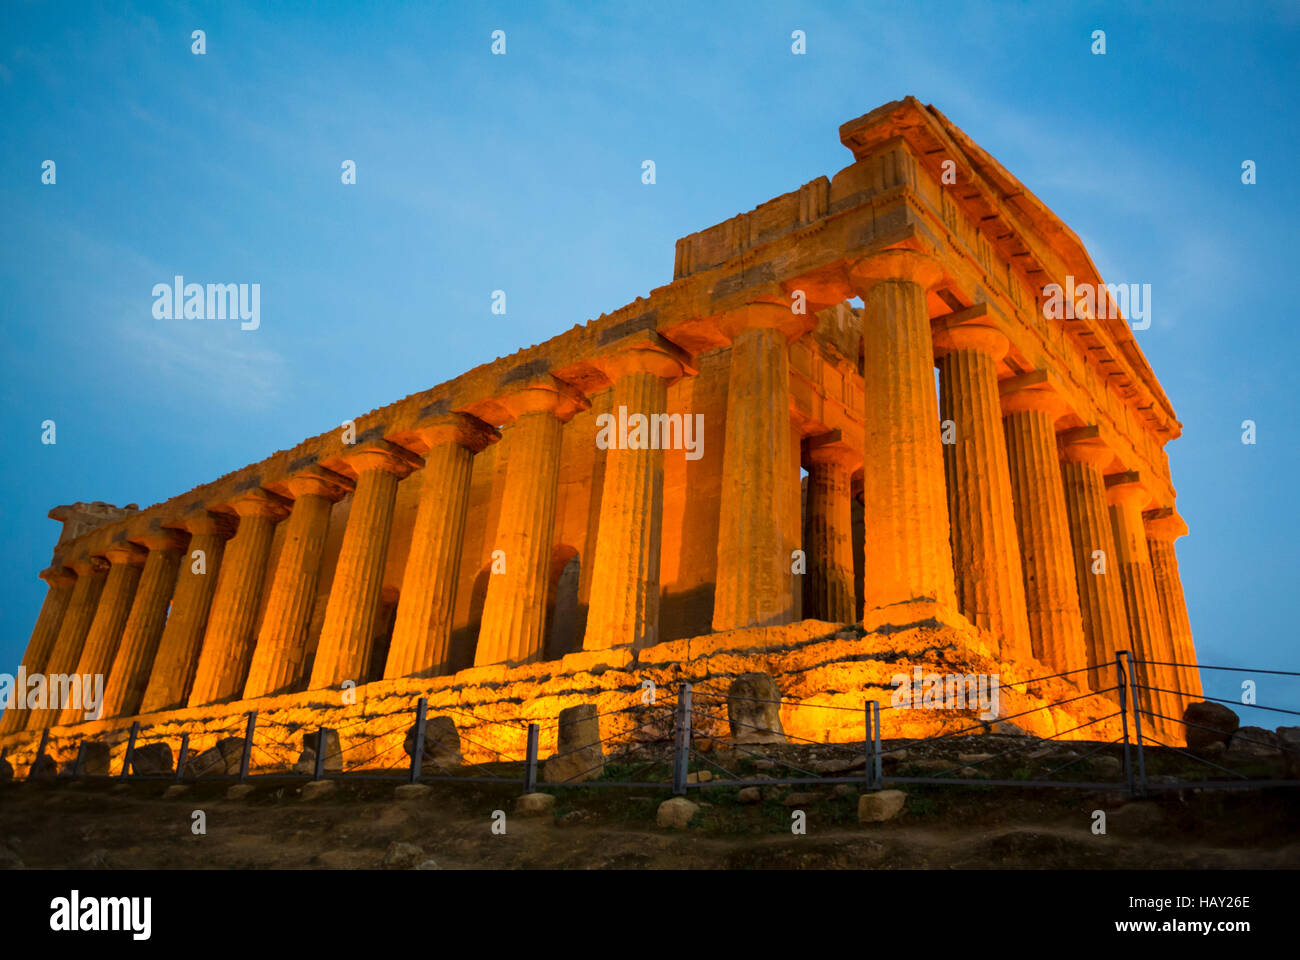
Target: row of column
(1019, 558)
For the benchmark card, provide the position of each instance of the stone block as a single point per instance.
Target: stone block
(880, 806)
(749, 795)
(333, 753)
(441, 744)
(676, 813)
(578, 753)
(1254, 742)
(318, 789)
(1220, 721)
(152, 760)
(45, 766)
(95, 759)
(752, 710)
(535, 805)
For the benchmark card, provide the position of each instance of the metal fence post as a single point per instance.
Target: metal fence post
(322, 738)
(40, 752)
(182, 756)
(417, 751)
(1122, 683)
(1137, 724)
(530, 766)
(682, 751)
(877, 752)
(248, 745)
(130, 749)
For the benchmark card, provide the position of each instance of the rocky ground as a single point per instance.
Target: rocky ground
(59, 823)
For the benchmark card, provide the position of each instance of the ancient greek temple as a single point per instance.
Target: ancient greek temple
(849, 407)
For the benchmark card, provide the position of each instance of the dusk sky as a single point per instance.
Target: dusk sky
(522, 173)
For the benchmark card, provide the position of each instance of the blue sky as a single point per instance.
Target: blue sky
(523, 173)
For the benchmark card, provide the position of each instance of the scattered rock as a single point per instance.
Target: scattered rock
(574, 817)
(838, 765)
(152, 760)
(752, 711)
(239, 791)
(428, 865)
(578, 754)
(764, 764)
(412, 791)
(441, 744)
(317, 789)
(535, 805)
(844, 790)
(676, 813)
(880, 806)
(804, 798)
(222, 759)
(1107, 766)
(333, 753)
(930, 765)
(1254, 742)
(175, 791)
(749, 795)
(1220, 721)
(95, 759)
(402, 856)
(974, 757)
(699, 776)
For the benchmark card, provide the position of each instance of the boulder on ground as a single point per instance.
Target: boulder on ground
(441, 745)
(45, 766)
(1207, 722)
(152, 760)
(880, 806)
(676, 813)
(317, 789)
(95, 759)
(578, 754)
(753, 710)
(1254, 742)
(333, 752)
(220, 760)
(535, 804)
(402, 856)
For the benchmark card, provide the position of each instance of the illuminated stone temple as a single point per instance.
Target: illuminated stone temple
(847, 439)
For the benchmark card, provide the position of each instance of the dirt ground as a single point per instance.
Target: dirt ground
(60, 823)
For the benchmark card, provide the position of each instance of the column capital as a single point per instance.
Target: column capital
(1164, 523)
(58, 576)
(1126, 489)
(85, 566)
(969, 329)
(126, 552)
(896, 263)
(644, 352)
(543, 395)
(314, 480)
(765, 315)
(1085, 445)
(258, 503)
(374, 455)
(831, 448)
(1033, 391)
(200, 522)
(164, 538)
(464, 429)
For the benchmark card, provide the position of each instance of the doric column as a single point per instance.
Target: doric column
(828, 585)
(624, 607)
(91, 573)
(279, 656)
(60, 581)
(144, 626)
(986, 553)
(1146, 625)
(905, 515)
(1163, 527)
(172, 675)
(425, 607)
(1030, 410)
(347, 638)
(1097, 574)
(514, 610)
(754, 584)
(228, 640)
(125, 561)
